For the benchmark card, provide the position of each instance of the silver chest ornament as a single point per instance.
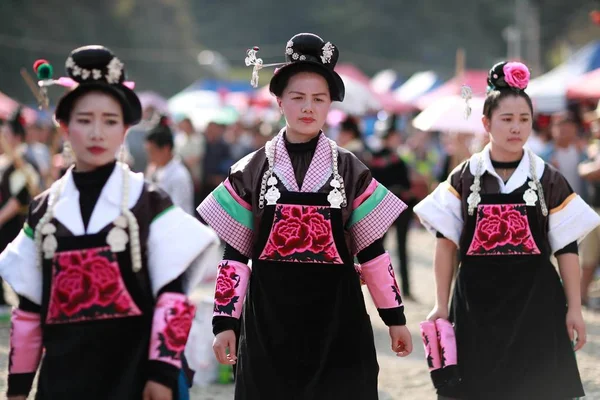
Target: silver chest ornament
(272, 194)
(117, 237)
(530, 197)
(335, 197)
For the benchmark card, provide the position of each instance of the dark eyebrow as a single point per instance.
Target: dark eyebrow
(89, 114)
(304, 94)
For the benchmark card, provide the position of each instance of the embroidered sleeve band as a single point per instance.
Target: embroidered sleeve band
(230, 290)
(18, 267)
(431, 345)
(25, 351)
(570, 222)
(373, 215)
(441, 212)
(381, 282)
(230, 217)
(173, 316)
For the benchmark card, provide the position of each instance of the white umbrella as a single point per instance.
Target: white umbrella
(448, 115)
(359, 99)
(415, 86)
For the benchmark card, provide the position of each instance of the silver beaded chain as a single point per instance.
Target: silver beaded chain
(475, 198)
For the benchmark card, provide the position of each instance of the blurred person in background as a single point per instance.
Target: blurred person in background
(457, 146)
(350, 137)
(541, 137)
(189, 146)
(389, 169)
(565, 153)
(19, 184)
(239, 140)
(166, 170)
(136, 139)
(590, 171)
(217, 158)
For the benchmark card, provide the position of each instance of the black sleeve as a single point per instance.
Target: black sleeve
(374, 250)
(439, 235)
(28, 305)
(570, 248)
(163, 373)
(175, 286)
(232, 254)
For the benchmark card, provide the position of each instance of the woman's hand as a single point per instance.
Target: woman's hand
(223, 341)
(575, 324)
(401, 340)
(156, 391)
(438, 312)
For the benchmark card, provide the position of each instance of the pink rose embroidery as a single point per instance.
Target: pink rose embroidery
(516, 75)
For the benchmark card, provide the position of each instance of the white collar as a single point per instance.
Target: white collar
(108, 206)
(517, 179)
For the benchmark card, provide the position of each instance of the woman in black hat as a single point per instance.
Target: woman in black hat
(301, 208)
(19, 182)
(103, 262)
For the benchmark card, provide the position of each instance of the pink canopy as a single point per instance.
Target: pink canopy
(587, 87)
(8, 106)
(476, 79)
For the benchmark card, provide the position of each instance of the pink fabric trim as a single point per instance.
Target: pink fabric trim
(431, 345)
(376, 224)
(320, 167)
(369, 191)
(25, 342)
(230, 289)
(447, 340)
(233, 194)
(171, 324)
(301, 234)
(229, 230)
(381, 281)
(87, 286)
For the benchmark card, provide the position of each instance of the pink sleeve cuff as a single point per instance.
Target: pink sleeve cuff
(431, 345)
(230, 290)
(381, 281)
(447, 340)
(25, 342)
(173, 316)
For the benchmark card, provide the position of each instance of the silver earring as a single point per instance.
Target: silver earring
(67, 154)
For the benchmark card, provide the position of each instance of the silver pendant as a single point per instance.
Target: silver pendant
(530, 197)
(117, 239)
(335, 198)
(272, 181)
(335, 183)
(48, 229)
(49, 246)
(272, 196)
(473, 200)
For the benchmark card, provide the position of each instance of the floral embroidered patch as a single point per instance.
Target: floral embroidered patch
(394, 285)
(502, 229)
(87, 286)
(226, 294)
(173, 338)
(301, 234)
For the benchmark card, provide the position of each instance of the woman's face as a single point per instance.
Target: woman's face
(510, 125)
(96, 130)
(305, 104)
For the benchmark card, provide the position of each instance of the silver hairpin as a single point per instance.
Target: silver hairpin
(252, 59)
(467, 94)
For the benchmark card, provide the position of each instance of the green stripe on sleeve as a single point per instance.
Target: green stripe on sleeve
(28, 231)
(163, 212)
(369, 204)
(232, 207)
